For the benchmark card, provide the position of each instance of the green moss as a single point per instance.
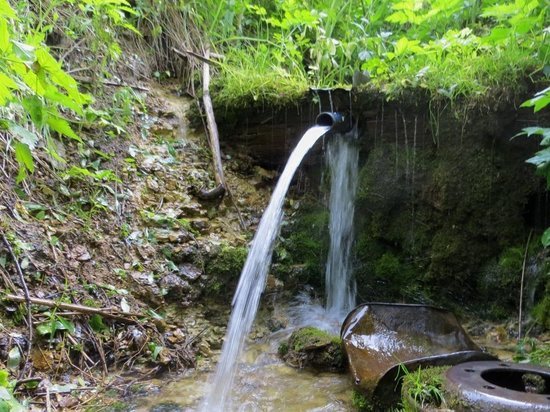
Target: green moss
(300, 257)
(432, 239)
(312, 347)
(223, 269)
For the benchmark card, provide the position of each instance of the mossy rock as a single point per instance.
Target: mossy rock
(223, 270)
(312, 347)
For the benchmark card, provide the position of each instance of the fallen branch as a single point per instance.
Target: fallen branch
(89, 80)
(207, 59)
(88, 310)
(213, 135)
(27, 299)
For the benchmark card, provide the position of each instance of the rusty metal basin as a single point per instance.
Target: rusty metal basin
(379, 337)
(494, 386)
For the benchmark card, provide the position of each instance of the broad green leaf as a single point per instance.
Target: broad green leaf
(541, 158)
(44, 329)
(540, 101)
(5, 94)
(4, 381)
(23, 156)
(4, 35)
(33, 105)
(24, 51)
(7, 81)
(545, 239)
(65, 324)
(24, 135)
(96, 323)
(53, 94)
(6, 10)
(14, 358)
(61, 126)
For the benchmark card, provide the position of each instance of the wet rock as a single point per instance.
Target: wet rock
(167, 407)
(148, 289)
(276, 323)
(189, 271)
(191, 209)
(273, 284)
(174, 286)
(173, 236)
(184, 253)
(201, 225)
(311, 347)
(153, 184)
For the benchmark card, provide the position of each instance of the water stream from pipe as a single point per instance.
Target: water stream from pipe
(342, 159)
(253, 279)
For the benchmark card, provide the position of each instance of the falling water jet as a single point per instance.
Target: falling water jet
(342, 158)
(254, 273)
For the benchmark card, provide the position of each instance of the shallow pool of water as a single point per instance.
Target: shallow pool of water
(263, 381)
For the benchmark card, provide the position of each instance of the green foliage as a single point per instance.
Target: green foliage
(360, 402)
(542, 158)
(401, 44)
(423, 386)
(301, 253)
(8, 403)
(532, 351)
(224, 269)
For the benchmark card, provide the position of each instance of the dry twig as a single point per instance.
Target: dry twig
(27, 299)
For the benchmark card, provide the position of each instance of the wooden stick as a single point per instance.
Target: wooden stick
(207, 60)
(213, 135)
(106, 312)
(109, 83)
(521, 286)
(26, 299)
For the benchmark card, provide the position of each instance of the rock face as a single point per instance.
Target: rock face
(379, 338)
(311, 347)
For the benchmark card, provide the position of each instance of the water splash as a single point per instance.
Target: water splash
(342, 158)
(253, 278)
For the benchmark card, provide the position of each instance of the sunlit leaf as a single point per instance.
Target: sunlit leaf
(545, 239)
(14, 358)
(6, 10)
(24, 135)
(61, 126)
(65, 324)
(33, 105)
(4, 35)
(23, 156)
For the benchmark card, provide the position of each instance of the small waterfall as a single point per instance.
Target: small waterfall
(342, 158)
(253, 278)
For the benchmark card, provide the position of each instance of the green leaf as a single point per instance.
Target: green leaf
(6, 10)
(33, 105)
(541, 158)
(545, 239)
(44, 329)
(4, 382)
(14, 358)
(65, 324)
(540, 101)
(7, 81)
(61, 126)
(25, 136)
(96, 323)
(23, 156)
(4, 35)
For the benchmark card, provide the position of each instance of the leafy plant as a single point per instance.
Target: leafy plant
(8, 403)
(423, 386)
(541, 159)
